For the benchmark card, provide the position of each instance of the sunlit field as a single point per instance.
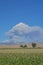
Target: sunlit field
(21, 56)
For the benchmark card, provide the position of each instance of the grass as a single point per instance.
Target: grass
(21, 50)
(21, 56)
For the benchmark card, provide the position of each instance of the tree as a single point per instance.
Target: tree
(21, 45)
(33, 45)
(25, 45)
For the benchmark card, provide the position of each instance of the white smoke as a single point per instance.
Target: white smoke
(24, 33)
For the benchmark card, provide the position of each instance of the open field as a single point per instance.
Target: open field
(21, 56)
(21, 59)
(15, 55)
(21, 50)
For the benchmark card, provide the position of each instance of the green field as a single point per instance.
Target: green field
(21, 56)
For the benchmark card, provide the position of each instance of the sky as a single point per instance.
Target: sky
(13, 12)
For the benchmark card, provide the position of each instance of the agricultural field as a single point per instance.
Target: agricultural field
(21, 56)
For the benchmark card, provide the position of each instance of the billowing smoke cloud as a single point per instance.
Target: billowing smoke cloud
(24, 33)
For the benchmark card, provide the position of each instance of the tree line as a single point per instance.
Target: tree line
(25, 46)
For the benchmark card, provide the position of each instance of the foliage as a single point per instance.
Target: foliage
(21, 59)
(21, 45)
(25, 46)
(33, 45)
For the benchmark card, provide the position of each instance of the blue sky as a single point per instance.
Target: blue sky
(14, 11)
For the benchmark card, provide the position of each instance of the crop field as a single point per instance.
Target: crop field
(21, 56)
